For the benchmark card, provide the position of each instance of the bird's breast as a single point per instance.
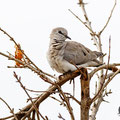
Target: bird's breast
(55, 57)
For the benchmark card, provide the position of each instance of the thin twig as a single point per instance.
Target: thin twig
(101, 87)
(103, 67)
(60, 116)
(11, 110)
(15, 66)
(71, 96)
(67, 102)
(8, 117)
(108, 58)
(42, 76)
(61, 102)
(109, 80)
(35, 107)
(84, 23)
(93, 34)
(108, 18)
(41, 91)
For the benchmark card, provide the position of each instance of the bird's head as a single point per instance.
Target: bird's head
(59, 34)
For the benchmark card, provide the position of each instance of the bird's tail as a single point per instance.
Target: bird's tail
(98, 53)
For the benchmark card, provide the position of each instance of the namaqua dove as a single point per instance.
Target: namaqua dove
(64, 56)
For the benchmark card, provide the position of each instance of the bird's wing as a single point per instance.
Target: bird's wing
(77, 53)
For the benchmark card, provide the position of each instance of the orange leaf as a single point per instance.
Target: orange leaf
(18, 54)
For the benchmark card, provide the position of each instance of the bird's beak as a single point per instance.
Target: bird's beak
(68, 37)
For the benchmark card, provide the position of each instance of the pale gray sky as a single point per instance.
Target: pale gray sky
(30, 22)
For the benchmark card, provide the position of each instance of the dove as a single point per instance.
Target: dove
(63, 55)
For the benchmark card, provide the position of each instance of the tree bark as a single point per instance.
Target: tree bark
(85, 95)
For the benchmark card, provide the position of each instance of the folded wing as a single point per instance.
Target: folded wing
(78, 54)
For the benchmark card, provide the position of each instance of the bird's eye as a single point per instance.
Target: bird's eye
(60, 32)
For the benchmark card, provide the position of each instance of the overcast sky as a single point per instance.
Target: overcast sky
(30, 22)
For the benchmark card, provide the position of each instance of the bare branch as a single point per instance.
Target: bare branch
(71, 96)
(11, 110)
(109, 80)
(62, 80)
(37, 91)
(110, 67)
(67, 102)
(108, 58)
(82, 5)
(35, 107)
(61, 102)
(101, 87)
(42, 76)
(84, 23)
(108, 18)
(60, 116)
